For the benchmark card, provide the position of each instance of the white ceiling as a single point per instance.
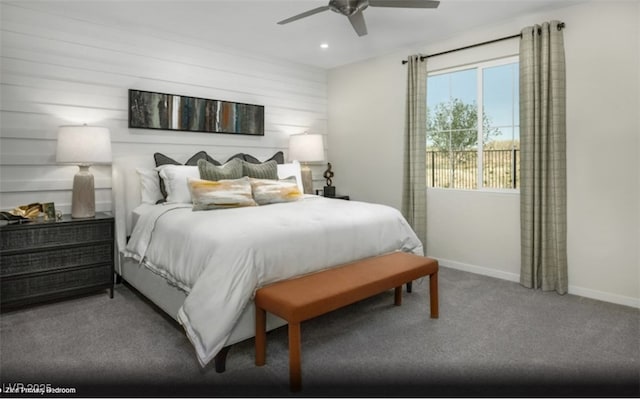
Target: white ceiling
(251, 25)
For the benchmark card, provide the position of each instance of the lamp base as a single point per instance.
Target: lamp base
(83, 198)
(307, 179)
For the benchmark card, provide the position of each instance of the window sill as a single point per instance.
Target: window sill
(481, 191)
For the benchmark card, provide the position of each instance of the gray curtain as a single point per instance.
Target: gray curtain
(414, 198)
(543, 192)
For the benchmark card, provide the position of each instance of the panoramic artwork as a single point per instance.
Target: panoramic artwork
(148, 110)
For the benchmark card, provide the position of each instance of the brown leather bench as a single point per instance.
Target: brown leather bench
(309, 296)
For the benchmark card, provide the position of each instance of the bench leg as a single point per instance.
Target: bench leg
(295, 374)
(398, 296)
(261, 336)
(410, 287)
(433, 294)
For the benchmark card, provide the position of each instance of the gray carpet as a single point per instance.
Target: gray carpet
(493, 338)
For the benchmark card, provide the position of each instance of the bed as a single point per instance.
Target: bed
(202, 267)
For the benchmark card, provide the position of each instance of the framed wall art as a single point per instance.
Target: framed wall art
(149, 110)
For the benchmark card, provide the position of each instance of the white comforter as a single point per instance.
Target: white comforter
(221, 257)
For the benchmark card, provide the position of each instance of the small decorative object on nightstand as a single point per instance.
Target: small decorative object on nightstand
(52, 259)
(329, 190)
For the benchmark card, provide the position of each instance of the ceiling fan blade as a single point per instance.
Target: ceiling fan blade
(357, 21)
(304, 14)
(405, 3)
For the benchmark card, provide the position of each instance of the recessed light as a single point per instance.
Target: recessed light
(324, 45)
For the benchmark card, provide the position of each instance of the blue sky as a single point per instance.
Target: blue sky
(500, 94)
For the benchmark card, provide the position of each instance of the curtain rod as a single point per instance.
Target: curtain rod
(422, 58)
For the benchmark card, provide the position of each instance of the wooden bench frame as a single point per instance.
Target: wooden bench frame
(309, 296)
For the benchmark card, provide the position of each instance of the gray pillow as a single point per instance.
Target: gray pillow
(230, 170)
(278, 157)
(265, 170)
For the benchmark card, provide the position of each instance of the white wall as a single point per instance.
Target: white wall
(479, 231)
(58, 70)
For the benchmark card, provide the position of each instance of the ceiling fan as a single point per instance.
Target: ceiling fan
(352, 9)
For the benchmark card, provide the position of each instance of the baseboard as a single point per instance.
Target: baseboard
(605, 296)
(485, 271)
(584, 292)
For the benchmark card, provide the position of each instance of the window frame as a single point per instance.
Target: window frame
(479, 67)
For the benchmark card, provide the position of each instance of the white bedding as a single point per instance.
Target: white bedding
(139, 211)
(221, 257)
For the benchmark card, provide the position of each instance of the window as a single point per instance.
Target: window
(473, 136)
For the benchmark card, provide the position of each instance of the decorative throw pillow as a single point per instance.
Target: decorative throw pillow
(208, 194)
(239, 156)
(175, 181)
(162, 159)
(149, 186)
(278, 157)
(275, 191)
(266, 170)
(230, 170)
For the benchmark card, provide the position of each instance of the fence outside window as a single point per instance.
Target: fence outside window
(459, 169)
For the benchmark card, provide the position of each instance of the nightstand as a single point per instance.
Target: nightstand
(342, 197)
(44, 260)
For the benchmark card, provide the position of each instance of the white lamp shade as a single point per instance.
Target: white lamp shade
(84, 145)
(306, 147)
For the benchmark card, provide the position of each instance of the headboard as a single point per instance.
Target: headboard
(126, 189)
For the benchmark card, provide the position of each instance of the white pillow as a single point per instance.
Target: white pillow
(149, 186)
(291, 169)
(175, 181)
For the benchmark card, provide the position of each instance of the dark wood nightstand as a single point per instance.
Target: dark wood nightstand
(45, 260)
(342, 197)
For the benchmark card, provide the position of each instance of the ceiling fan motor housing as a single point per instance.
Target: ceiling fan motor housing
(348, 7)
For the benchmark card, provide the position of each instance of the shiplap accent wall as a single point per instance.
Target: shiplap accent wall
(58, 70)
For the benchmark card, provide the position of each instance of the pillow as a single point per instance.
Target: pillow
(175, 181)
(149, 186)
(266, 170)
(230, 170)
(208, 194)
(274, 191)
(278, 157)
(291, 170)
(162, 159)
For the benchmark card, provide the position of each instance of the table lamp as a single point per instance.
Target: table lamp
(83, 146)
(306, 148)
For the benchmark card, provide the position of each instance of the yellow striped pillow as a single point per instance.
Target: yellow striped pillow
(207, 194)
(274, 191)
